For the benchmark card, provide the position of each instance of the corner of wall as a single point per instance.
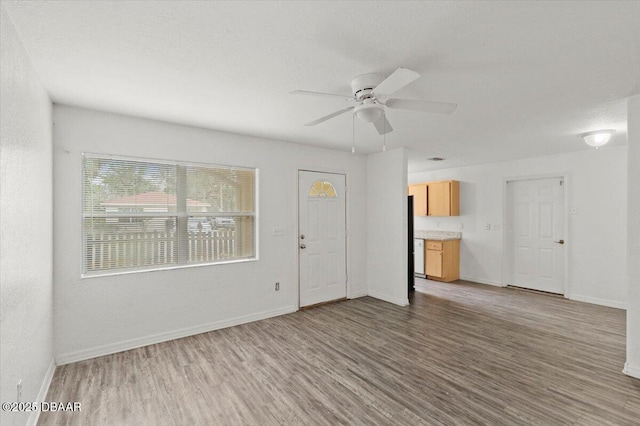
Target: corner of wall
(26, 227)
(631, 370)
(42, 394)
(387, 227)
(632, 367)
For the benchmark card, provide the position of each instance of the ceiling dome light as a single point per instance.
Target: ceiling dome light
(597, 138)
(368, 112)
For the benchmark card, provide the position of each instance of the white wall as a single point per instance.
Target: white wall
(596, 236)
(387, 226)
(632, 367)
(25, 227)
(99, 315)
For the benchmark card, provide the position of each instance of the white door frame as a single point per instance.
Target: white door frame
(506, 258)
(346, 225)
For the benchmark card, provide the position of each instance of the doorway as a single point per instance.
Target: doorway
(322, 237)
(535, 234)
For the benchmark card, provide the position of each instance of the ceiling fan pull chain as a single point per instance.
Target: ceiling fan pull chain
(353, 134)
(384, 133)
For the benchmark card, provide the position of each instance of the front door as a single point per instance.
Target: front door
(322, 237)
(535, 234)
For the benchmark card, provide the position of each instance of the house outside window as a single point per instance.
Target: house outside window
(148, 214)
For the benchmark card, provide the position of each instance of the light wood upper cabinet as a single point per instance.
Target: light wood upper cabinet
(419, 193)
(436, 198)
(444, 198)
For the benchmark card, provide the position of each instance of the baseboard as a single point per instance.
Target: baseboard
(126, 345)
(359, 293)
(420, 287)
(387, 298)
(42, 394)
(482, 281)
(604, 302)
(631, 371)
(596, 301)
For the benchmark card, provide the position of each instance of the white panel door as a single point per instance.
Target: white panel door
(535, 234)
(322, 238)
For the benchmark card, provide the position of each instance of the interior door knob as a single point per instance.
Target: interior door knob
(303, 246)
(559, 241)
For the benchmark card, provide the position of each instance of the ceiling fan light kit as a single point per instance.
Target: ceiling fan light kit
(368, 112)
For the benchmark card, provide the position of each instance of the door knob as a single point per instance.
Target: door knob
(303, 246)
(559, 241)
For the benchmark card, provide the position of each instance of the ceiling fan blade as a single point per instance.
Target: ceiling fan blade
(382, 125)
(425, 106)
(333, 95)
(396, 81)
(327, 117)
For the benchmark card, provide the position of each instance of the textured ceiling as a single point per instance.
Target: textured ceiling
(527, 76)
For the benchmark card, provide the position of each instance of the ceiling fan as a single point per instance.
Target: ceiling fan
(371, 94)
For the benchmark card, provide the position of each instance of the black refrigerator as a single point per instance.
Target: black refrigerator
(411, 278)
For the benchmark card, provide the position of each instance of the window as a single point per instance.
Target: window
(143, 214)
(322, 188)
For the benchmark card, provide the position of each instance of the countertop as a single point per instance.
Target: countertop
(437, 235)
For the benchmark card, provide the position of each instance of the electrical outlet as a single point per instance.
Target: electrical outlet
(487, 226)
(277, 286)
(19, 391)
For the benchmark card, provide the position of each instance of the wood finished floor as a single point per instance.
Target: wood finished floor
(462, 354)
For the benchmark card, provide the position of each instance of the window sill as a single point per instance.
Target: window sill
(166, 268)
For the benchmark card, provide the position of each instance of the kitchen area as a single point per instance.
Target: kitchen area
(436, 254)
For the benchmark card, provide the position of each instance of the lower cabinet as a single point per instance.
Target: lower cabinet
(442, 260)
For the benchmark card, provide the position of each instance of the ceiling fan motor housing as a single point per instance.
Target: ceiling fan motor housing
(362, 86)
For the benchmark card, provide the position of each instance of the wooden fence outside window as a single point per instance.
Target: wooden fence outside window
(106, 251)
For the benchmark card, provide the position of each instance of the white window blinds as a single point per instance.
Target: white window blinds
(142, 214)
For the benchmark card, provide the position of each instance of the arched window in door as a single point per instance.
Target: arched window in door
(322, 188)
